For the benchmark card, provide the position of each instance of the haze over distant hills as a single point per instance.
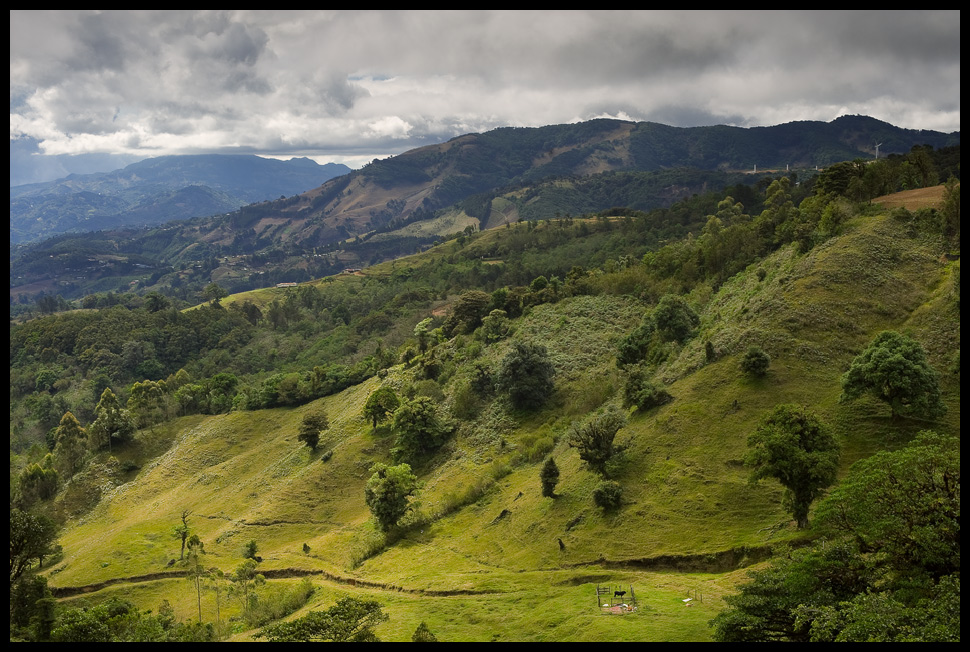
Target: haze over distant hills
(158, 190)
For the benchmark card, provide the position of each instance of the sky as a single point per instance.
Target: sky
(96, 90)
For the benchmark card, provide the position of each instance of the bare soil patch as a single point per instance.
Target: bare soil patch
(913, 199)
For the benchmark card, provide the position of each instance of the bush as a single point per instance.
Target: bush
(643, 392)
(755, 361)
(549, 478)
(278, 602)
(387, 493)
(608, 495)
(419, 428)
(675, 319)
(594, 438)
(525, 375)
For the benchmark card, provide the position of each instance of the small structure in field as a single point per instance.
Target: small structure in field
(616, 600)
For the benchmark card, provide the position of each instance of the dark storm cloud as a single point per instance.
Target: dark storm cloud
(352, 85)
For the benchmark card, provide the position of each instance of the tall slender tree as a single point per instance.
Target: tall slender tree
(71, 445)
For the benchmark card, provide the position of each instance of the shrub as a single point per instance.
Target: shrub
(387, 493)
(594, 438)
(419, 428)
(549, 477)
(608, 495)
(755, 361)
(675, 319)
(525, 375)
(643, 392)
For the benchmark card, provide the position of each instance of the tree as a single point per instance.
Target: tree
(423, 634)
(640, 390)
(32, 536)
(387, 493)
(904, 505)
(422, 334)
(894, 369)
(214, 293)
(71, 445)
(632, 349)
(311, 426)
(594, 438)
(112, 422)
(350, 620)
(887, 569)
(83, 626)
(245, 580)
(525, 375)
(764, 610)
(950, 214)
(155, 301)
(549, 477)
(755, 361)
(674, 318)
(418, 427)
(250, 550)
(214, 581)
(196, 570)
(181, 531)
(31, 606)
(791, 445)
(381, 404)
(468, 311)
(496, 326)
(145, 401)
(37, 481)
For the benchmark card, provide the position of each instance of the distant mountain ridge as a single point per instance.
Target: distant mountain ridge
(401, 204)
(158, 190)
(484, 165)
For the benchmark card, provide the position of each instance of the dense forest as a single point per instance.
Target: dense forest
(86, 374)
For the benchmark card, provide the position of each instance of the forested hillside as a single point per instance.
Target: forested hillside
(403, 204)
(652, 400)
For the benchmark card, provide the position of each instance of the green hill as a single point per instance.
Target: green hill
(482, 555)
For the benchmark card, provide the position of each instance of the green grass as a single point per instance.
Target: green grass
(481, 559)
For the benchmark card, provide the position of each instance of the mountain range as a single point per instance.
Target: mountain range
(158, 190)
(393, 206)
(470, 171)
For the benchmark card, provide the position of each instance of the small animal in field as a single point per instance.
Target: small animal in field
(619, 594)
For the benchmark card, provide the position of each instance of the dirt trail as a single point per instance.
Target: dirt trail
(270, 574)
(724, 561)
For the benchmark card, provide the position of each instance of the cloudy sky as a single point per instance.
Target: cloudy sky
(94, 90)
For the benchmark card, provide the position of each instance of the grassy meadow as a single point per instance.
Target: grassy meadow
(483, 556)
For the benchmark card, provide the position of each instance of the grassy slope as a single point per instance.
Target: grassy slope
(244, 476)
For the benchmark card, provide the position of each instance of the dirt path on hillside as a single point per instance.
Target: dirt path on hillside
(721, 562)
(270, 574)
